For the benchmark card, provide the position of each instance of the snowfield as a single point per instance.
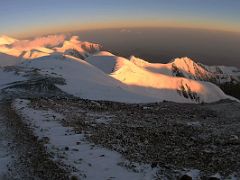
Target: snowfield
(129, 83)
(84, 80)
(99, 75)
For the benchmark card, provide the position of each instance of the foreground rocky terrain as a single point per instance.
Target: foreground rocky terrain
(166, 135)
(173, 141)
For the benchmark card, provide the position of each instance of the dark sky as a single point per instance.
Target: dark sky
(164, 44)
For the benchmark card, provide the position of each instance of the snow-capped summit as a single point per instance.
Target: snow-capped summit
(186, 67)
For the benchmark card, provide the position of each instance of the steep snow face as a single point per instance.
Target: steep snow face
(190, 69)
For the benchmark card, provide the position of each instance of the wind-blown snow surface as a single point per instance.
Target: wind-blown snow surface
(104, 76)
(91, 162)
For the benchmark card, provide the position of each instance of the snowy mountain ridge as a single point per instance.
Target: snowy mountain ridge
(39, 47)
(99, 75)
(186, 67)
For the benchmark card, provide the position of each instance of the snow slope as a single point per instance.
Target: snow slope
(104, 76)
(84, 80)
(128, 83)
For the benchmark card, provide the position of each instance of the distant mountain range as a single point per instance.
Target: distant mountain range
(99, 75)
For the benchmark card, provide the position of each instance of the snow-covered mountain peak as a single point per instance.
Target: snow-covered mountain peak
(183, 61)
(186, 67)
